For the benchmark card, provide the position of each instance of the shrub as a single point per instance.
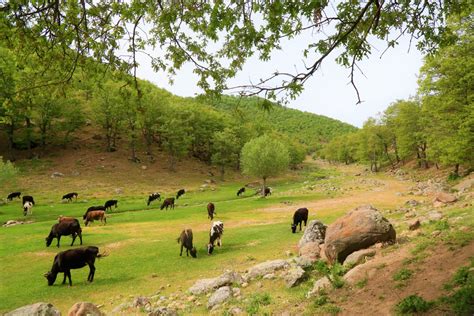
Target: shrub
(256, 301)
(403, 275)
(413, 304)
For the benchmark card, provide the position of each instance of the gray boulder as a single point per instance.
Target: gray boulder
(444, 197)
(294, 276)
(359, 257)
(314, 232)
(359, 229)
(207, 285)
(318, 286)
(163, 311)
(265, 268)
(220, 296)
(37, 309)
(84, 309)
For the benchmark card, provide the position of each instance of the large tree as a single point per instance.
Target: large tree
(218, 37)
(264, 157)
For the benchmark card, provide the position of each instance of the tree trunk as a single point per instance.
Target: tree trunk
(28, 136)
(222, 172)
(264, 186)
(456, 169)
(10, 132)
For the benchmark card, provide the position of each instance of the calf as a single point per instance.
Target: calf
(186, 241)
(180, 192)
(65, 228)
(28, 198)
(167, 202)
(13, 195)
(70, 196)
(211, 210)
(241, 191)
(152, 197)
(108, 205)
(73, 259)
(91, 216)
(301, 215)
(27, 208)
(217, 230)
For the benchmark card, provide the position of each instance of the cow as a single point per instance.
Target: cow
(152, 197)
(70, 259)
(179, 193)
(211, 210)
(300, 216)
(241, 191)
(70, 196)
(13, 195)
(27, 208)
(28, 198)
(186, 241)
(91, 216)
(65, 228)
(217, 230)
(108, 205)
(169, 202)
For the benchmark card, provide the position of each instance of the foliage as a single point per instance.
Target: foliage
(7, 170)
(226, 149)
(413, 304)
(264, 157)
(334, 273)
(462, 299)
(403, 275)
(256, 301)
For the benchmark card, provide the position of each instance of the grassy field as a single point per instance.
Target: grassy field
(141, 240)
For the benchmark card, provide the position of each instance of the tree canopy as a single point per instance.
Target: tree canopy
(218, 37)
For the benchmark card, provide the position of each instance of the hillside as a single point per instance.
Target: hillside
(309, 128)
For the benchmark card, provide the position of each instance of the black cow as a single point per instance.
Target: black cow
(241, 190)
(152, 197)
(211, 208)
(169, 202)
(13, 195)
(28, 198)
(70, 196)
(179, 193)
(108, 205)
(73, 259)
(65, 228)
(300, 216)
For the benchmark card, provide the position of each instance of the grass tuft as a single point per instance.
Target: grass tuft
(413, 304)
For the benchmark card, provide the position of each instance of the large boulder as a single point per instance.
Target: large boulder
(84, 309)
(360, 228)
(207, 285)
(444, 197)
(37, 309)
(310, 251)
(314, 232)
(294, 276)
(265, 268)
(219, 296)
(358, 257)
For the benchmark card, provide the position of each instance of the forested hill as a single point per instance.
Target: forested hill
(309, 128)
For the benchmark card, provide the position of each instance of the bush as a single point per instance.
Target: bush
(413, 304)
(334, 273)
(7, 170)
(403, 275)
(256, 301)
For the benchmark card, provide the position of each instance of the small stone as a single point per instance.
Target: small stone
(84, 309)
(414, 225)
(144, 167)
(221, 295)
(245, 284)
(436, 233)
(269, 276)
(236, 291)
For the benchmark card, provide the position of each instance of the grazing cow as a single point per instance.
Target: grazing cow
(94, 208)
(13, 195)
(217, 229)
(27, 208)
(65, 228)
(180, 192)
(267, 191)
(152, 197)
(73, 259)
(241, 191)
(167, 202)
(69, 196)
(28, 198)
(211, 210)
(300, 216)
(186, 241)
(109, 204)
(91, 216)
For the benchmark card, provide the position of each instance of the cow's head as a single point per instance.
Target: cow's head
(293, 228)
(193, 252)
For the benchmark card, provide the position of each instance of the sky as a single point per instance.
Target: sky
(384, 80)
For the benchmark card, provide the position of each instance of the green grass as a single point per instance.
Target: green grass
(412, 304)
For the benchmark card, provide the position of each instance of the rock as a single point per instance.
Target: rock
(269, 276)
(235, 311)
(445, 197)
(359, 229)
(310, 251)
(57, 174)
(435, 233)
(314, 232)
(265, 268)
(141, 301)
(207, 285)
(245, 284)
(435, 215)
(302, 262)
(438, 204)
(414, 225)
(163, 311)
(13, 223)
(465, 184)
(366, 270)
(84, 309)
(144, 167)
(411, 203)
(318, 286)
(410, 214)
(294, 276)
(358, 257)
(221, 295)
(37, 309)
(236, 291)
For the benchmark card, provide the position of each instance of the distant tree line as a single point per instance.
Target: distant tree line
(435, 128)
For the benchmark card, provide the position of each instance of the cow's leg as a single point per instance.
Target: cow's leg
(80, 237)
(181, 253)
(59, 238)
(69, 276)
(91, 272)
(65, 275)
(73, 238)
(300, 224)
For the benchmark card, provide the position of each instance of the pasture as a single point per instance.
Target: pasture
(141, 241)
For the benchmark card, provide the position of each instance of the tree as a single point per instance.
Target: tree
(185, 31)
(370, 146)
(264, 157)
(176, 140)
(7, 171)
(225, 149)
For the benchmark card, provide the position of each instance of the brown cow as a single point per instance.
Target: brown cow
(211, 210)
(95, 215)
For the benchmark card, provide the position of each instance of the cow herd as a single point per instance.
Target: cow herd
(77, 258)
